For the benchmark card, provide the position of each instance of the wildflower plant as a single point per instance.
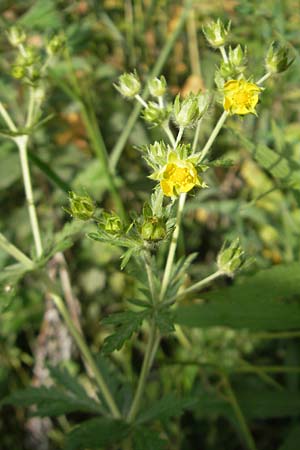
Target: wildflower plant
(179, 169)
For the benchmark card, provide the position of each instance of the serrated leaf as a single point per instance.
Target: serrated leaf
(69, 382)
(145, 439)
(50, 401)
(127, 323)
(168, 406)
(95, 433)
(261, 302)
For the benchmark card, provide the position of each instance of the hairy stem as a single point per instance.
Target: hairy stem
(148, 358)
(213, 135)
(12, 250)
(172, 248)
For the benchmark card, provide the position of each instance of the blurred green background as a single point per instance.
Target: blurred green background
(255, 198)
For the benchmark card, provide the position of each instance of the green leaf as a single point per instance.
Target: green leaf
(70, 383)
(127, 323)
(95, 433)
(145, 439)
(292, 440)
(166, 407)
(261, 302)
(51, 401)
(42, 15)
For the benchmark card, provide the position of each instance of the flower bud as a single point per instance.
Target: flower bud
(278, 58)
(18, 72)
(56, 44)
(157, 86)
(238, 58)
(129, 85)
(154, 114)
(231, 258)
(216, 33)
(81, 206)
(111, 223)
(186, 113)
(153, 229)
(16, 36)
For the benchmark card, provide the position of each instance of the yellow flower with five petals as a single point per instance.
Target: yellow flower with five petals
(240, 97)
(179, 176)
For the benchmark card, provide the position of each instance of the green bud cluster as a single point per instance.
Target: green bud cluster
(81, 206)
(231, 258)
(129, 85)
(56, 44)
(216, 33)
(157, 86)
(278, 58)
(153, 229)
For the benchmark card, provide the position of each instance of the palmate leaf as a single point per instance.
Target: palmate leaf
(168, 406)
(127, 323)
(51, 401)
(268, 300)
(96, 433)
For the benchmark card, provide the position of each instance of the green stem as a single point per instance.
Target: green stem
(82, 345)
(12, 250)
(196, 137)
(224, 54)
(120, 144)
(172, 248)
(213, 135)
(148, 358)
(147, 258)
(169, 133)
(7, 119)
(264, 78)
(239, 415)
(179, 136)
(21, 142)
(201, 284)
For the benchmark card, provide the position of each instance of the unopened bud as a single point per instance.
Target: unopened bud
(18, 72)
(238, 58)
(56, 44)
(81, 206)
(111, 223)
(278, 58)
(157, 86)
(186, 113)
(154, 114)
(153, 229)
(216, 33)
(129, 85)
(16, 36)
(231, 258)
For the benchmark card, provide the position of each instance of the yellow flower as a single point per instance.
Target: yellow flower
(179, 176)
(240, 97)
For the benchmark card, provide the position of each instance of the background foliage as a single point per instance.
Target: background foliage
(214, 384)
